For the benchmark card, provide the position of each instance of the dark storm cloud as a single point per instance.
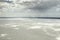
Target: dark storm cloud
(44, 6)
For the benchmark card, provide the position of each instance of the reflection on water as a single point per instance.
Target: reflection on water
(3, 35)
(29, 29)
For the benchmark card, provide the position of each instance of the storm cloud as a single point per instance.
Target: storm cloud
(44, 6)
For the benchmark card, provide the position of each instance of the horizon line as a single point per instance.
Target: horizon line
(35, 17)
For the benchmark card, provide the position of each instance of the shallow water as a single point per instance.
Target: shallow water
(29, 29)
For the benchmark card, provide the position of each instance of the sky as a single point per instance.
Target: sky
(31, 8)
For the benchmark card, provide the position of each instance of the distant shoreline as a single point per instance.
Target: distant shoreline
(33, 17)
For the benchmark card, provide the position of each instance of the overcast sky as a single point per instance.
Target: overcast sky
(32, 8)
